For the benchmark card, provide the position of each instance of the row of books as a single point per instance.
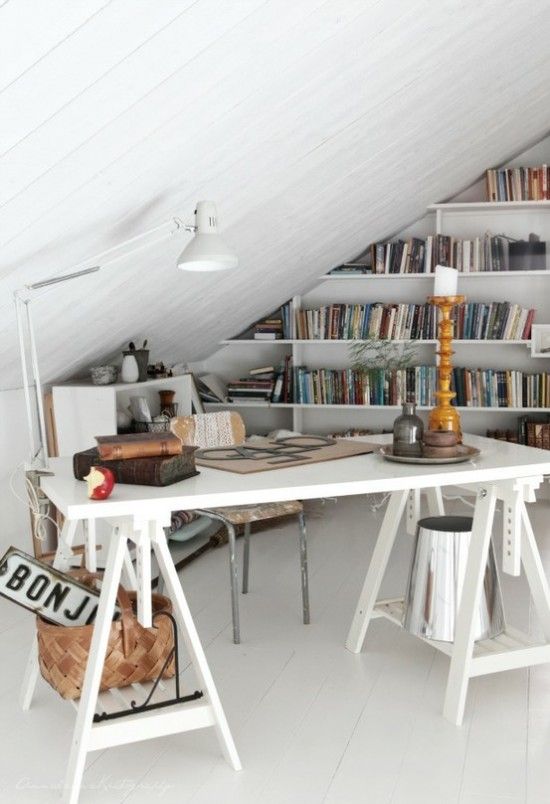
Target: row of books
(375, 387)
(489, 388)
(534, 431)
(511, 436)
(518, 184)
(474, 321)
(494, 388)
(493, 321)
(479, 254)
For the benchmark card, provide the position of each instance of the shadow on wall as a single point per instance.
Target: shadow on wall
(14, 451)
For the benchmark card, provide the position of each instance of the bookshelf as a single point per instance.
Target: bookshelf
(460, 220)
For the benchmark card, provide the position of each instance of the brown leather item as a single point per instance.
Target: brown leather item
(138, 445)
(140, 471)
(134, 653)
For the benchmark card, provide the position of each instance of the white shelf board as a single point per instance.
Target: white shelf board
(474, 206)
(119, 386)
(281, 405)
(503, 652)
(463, 275)
(347, 341)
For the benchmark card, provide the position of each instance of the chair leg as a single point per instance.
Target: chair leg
(234, 582)
(246, 557)
(303, 568)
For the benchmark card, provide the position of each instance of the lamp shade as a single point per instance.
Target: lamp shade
(207, 251)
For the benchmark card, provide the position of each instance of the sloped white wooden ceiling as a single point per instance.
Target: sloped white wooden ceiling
(315, 125)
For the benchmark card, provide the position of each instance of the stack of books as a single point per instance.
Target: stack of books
(147, 459)
(518, 184)
(474, 321)
(479, 254)
(276, 326)
(257, 387)
(269, 329)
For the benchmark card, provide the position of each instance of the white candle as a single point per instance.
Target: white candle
(446, 281)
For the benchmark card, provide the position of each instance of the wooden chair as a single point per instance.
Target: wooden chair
(227, 429)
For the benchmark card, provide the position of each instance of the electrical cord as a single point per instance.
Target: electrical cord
(38, 509)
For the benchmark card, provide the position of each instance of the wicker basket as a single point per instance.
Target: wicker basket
(134, 653)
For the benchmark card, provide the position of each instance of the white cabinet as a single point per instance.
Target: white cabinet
(83, 411)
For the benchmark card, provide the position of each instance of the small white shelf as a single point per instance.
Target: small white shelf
(482, 206)
(462, 275)
(277, 405)
(122, 386)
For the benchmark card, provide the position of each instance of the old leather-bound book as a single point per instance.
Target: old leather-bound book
(138, 445)
(157, 471)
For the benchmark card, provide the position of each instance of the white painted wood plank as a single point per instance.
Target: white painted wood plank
(115, 31)
(107, 98)
(157, 723)
(495, 762)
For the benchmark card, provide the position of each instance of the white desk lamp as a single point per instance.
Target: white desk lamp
(207, 251)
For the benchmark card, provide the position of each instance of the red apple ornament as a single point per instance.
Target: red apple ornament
(101, 482)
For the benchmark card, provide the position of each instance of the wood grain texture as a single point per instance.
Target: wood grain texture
(315, 126)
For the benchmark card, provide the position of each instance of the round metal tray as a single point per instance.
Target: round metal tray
(465, 454)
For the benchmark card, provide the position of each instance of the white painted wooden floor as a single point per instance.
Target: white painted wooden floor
(313, 723)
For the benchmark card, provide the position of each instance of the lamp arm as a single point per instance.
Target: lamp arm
(27, 341)
(187, 227)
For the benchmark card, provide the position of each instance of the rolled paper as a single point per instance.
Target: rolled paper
(446, 281)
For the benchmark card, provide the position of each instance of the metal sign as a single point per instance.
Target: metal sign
(53, 594)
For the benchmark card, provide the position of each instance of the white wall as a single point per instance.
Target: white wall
(14, 450)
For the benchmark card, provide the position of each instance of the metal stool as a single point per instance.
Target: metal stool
(436, 579)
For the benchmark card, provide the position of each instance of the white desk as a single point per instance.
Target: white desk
(503, 471)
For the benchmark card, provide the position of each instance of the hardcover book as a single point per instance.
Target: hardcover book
(138, 445)
(157, 471)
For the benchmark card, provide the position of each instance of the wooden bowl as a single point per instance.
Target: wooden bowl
(440, 438)
(440, 452)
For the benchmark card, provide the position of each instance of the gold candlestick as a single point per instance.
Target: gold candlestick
(444, 416)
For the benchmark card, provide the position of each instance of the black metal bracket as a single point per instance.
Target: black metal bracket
(136, 709)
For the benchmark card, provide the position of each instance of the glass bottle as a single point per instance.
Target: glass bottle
(408, 429)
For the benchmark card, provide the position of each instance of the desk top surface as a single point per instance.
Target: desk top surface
(361, 474)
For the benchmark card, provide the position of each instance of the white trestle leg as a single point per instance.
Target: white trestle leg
(376, 570)
(193, 644)
(459, 673)
(177, 717)
(94, 669)
(61, 561)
